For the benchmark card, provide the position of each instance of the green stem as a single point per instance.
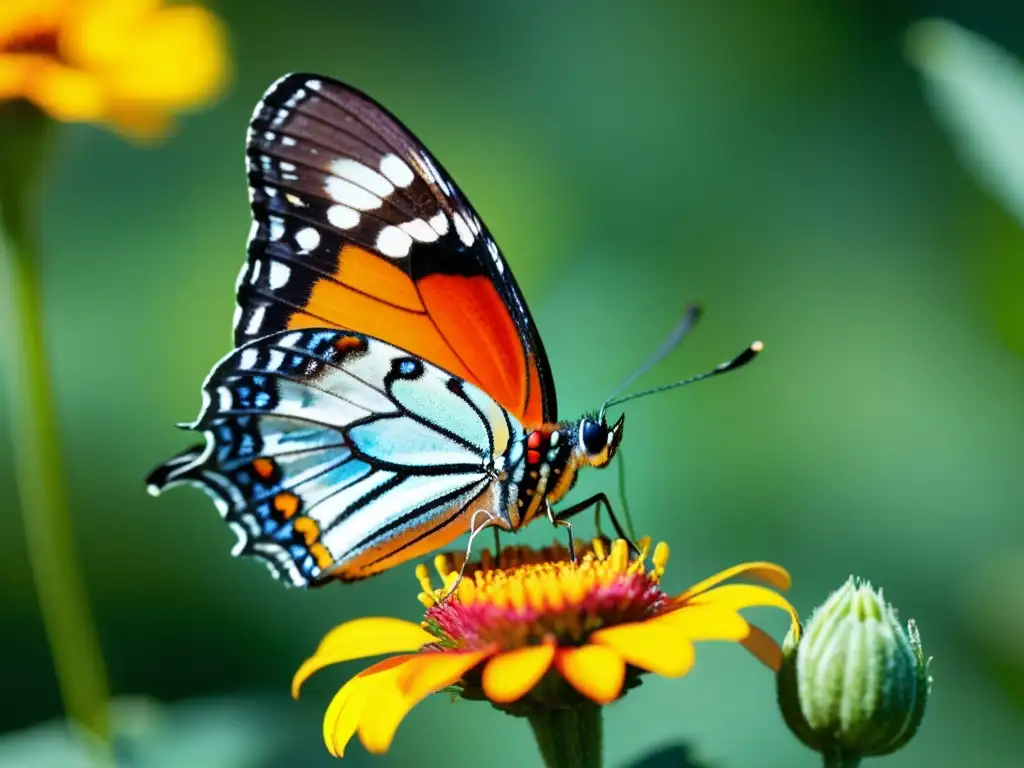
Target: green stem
(569, 738)
(839, 759)
(38, 466)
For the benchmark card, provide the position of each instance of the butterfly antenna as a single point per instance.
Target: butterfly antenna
(686, 323)
(739, 361)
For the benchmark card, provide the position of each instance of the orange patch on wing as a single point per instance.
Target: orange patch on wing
(371, 274)
(474, 320)
(348, 344)
(263, 467)
(287, 504)
(308, 528)
(321, 555)
(533, 413)
(333, 304)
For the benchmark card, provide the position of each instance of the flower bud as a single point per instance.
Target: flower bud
(855, 683)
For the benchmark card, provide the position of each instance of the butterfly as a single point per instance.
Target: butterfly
(388, 390)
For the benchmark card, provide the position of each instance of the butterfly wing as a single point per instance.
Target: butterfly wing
(356, 225)
(336, 455)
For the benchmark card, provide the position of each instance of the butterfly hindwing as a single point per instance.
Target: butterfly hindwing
(356, 225)
(334, 454)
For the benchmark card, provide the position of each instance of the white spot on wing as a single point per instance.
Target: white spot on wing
(290, 340)
(393, 242)
(492, 247)
(307, 238)
(224, 398)
(418, 229)
(250, 354)
(365, 177)
(295, 98)
(257, 267)
(286, 166)
(275, 359)
(288, 141)
(396, 170)
(279, 274)
(255, 321)
(342, 216)
(345, 192)
(439, 223)
(276, 227)
(462, 229)
(314, 85)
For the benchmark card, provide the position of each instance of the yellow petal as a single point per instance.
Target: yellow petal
(763, 647)
(738, 596)
(650, 645)
(15, 70)
(176, 57)
(389, 703)
(705, 622)
(509, 676)
(596, 671)
(66, 94)
(769, 573)
(349, 703)
(359, 639)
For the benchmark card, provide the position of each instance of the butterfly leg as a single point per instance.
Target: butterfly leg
(558, 523)
(474, 529)
(596, 501)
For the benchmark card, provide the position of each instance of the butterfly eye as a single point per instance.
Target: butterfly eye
(594, 435)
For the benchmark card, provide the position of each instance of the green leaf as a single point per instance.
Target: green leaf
(976, 91)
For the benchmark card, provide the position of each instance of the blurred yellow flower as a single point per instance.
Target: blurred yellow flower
(126, 63)
(534, 630)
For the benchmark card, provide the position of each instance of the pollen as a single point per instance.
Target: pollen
(526, 596)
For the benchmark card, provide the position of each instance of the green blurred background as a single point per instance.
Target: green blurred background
(775, 159)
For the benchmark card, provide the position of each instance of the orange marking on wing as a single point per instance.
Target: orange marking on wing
(263, 467)
(321, 555)
(308, 528)
(475, 321)
(533, 413)
(287, 504)
(369, 273)
(348, 344)
(341, 307)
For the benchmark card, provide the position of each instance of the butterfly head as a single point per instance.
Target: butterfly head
(597, 440)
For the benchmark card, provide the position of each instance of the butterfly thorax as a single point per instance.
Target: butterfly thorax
(551, 460)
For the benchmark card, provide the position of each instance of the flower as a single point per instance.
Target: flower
(856, 683)
(534, 631)
(128, 63)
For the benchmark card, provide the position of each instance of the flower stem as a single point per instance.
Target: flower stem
(569, 738)
(39, 476)
(839, 759)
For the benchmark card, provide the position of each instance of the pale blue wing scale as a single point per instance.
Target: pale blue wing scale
(409, 442)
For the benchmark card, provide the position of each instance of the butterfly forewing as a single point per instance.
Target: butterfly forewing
(357, 226)
(334, 454)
